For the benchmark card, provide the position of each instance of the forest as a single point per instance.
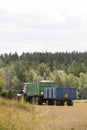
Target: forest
(70, 69)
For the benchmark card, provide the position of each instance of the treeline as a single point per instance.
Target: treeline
(59, 60)
(47, 57)
(68, 68)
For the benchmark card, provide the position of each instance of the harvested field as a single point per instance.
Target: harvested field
(29, 117)
(64, 118)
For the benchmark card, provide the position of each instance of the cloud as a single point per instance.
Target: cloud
(49, 25)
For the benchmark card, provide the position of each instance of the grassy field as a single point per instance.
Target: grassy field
(18, 116)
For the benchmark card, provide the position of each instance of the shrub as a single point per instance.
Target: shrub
(83, 93)
(9, 94)
(4, 94)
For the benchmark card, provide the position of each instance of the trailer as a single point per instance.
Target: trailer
(59, 96)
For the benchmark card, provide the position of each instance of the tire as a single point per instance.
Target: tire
(70, 103)
(62, 103)
(40, 102)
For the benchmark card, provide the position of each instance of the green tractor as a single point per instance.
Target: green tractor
(35, 91)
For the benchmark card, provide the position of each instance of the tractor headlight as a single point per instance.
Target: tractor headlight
(41, 92)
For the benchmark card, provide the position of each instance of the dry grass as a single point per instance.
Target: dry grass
(15, 116)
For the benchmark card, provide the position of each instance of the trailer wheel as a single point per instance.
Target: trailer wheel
(40, 102)
(70, 103)
(62, 103)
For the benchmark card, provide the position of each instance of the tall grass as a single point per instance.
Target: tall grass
(16, 104)
(16, 115)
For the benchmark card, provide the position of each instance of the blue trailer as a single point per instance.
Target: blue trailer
(59, 96)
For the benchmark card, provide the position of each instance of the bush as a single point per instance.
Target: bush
(9, 94)
(83, 93)
(4, 94)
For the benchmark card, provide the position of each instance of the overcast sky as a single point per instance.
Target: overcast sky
(43, 25)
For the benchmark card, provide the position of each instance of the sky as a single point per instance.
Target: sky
(43, 26)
